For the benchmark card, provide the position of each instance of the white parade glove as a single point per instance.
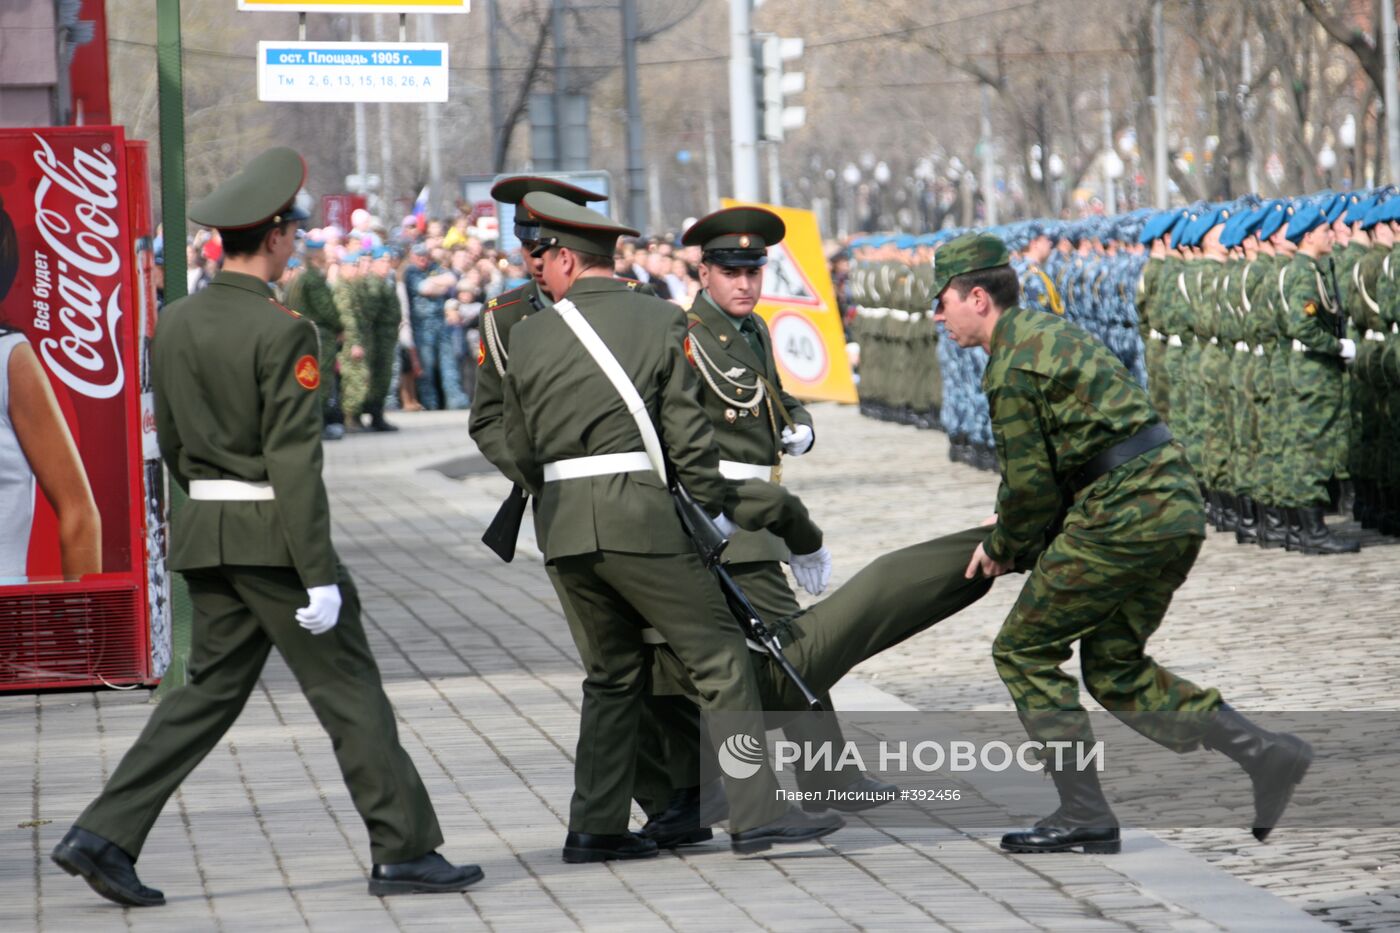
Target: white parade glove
(1348, 349)
(797, 440)
(813, 571)
(324, 610)
(725, 526)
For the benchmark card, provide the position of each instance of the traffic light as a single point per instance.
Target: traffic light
(775, 86)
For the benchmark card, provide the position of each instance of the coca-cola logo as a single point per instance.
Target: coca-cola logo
(82, 231)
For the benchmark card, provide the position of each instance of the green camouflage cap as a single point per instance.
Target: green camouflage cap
(264, 192)
(971, 252)
(564, 223)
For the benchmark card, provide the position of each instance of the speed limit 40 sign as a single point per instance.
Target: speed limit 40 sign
(799, 347)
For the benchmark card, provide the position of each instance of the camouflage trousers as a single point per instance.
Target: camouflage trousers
(1109, 596)
(1275, 428)
(1318, 428)
(1259, 383)
(365, 382)
(1244, 426)
(1215, 414)
(330, 380)
(1158, 383)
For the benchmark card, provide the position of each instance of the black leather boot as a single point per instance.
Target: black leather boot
(1317, 538)
(1247, 529)
(106, 867)
(1273, 527)
(1274, 761)
(1212, 499)
(377, 422)
(688, 816)
(1229, 512)
(1346, 497)
(1364, 510)
(1082, 821)
(1388, 519)
(1294, 540)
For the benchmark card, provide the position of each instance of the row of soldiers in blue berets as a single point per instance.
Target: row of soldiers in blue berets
(1267, 332)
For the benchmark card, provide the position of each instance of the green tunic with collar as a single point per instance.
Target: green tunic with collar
(748, 420)
(264, 429)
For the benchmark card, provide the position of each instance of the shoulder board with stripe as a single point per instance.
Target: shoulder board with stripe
(632, 284)
(278, 304)
(496, 303)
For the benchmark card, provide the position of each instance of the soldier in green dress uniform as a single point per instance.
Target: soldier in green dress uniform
(238, 421)
(756, 422)
(1099, 503)
(310, 296)
(608, 525)
(667, 766)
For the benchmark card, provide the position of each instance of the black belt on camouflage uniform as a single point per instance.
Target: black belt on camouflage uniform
(1149, 438)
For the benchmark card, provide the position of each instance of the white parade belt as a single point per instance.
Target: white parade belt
(732, 469)
(1241, 346)
(230, 490)
(1215, 341)
(1173, 340)
(1375, 335)
(651, 636)
(634, 461)
(1259, 350)
(1156, 334)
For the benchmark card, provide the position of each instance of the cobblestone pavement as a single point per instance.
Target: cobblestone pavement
(479, 664)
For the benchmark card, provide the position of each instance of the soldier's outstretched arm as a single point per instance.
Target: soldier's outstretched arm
(1028, 499)
(764, 506)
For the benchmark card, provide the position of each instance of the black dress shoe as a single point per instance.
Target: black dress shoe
(106, 867)
(864, 793)
(1048, 838)
(427, 874)
(597, 847)
(792, 827)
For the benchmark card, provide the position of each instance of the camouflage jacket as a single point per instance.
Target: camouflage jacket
(1309, 309)
(1058, 398)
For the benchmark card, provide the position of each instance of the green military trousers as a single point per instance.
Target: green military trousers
(668, 743)
(240, 614)
(1109, 596)
(1318, 428)
(613, 597)
(895, 597)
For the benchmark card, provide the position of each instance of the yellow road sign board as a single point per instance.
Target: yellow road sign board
(799, 305)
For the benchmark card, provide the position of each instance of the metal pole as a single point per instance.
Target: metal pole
(556, 24)
(386, 151)
(637, 210)
(1392, 105)
(361, 131)
(493, 53)
(436, 194)
(775, 175)
(743, 120)
(1159, 105)
(989, 165)
(170, 83)
(711, 165)
(1110, 193)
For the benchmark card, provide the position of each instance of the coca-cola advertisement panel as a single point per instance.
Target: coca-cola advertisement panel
(68, 474)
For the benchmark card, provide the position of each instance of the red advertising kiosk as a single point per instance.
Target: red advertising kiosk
(83, 587)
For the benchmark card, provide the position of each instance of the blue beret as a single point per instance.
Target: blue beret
(1276, 214)
(1179, 228)
(1336, 206)
(1307, 215)
(1212, 216)
(1358, 205)
(1159, 225)
(1375, 211)
(904, 241)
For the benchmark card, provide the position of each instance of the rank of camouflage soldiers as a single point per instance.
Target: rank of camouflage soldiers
(608, 525)
(370, 309)
(1099, 503)
(756, 422)
(238, 418)
(310, 296)
(665, 770)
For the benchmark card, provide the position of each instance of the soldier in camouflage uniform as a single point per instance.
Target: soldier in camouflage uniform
(311, 296)
(1276, 416)
(1381, 506)
(367, 360)
(351, 362)
(1317, 370)
(1080, 447)
(1149, 296)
